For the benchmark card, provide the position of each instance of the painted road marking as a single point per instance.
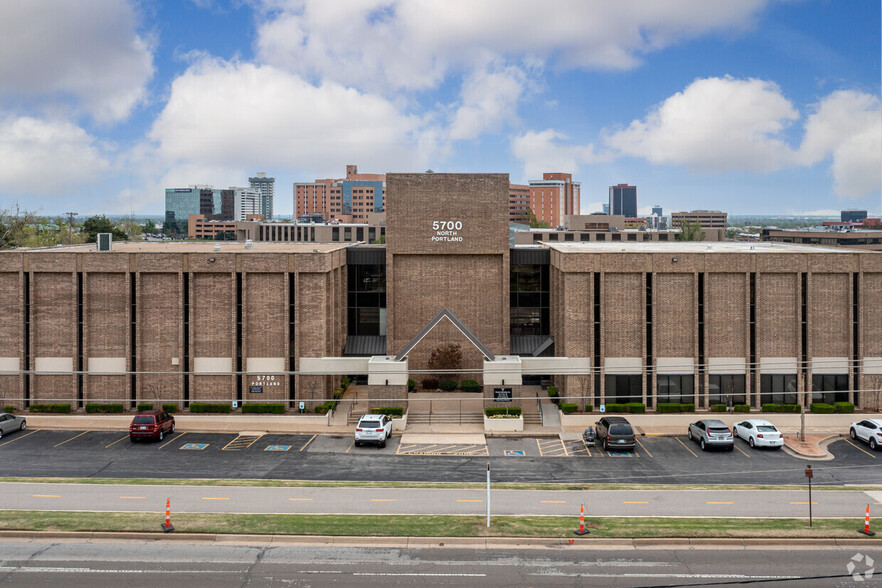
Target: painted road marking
(308, 442)
(684, 446)
(72, 438)
(442, 449)
(803, 503)
(215, 498)
(117, 441)
(622, 454)
(859, 449)
(194, 446)
(577, 447)
(277, 448)
(514, 452)
(633, 502)
(719, 502)
(134, 497)
(241, 442)
(46, 495)
(301, 499)
(553, 501)
(351, 445)
(170, 440)
(22, 437)
(739, 449)
(464, 500)
(383, 499)
(552, 448)
(642, 447)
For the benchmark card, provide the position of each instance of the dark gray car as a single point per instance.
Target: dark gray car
(10, 423)
(711, 433)
(615, 432)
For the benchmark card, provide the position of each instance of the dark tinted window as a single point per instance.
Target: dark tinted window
(766, 429)
(370, 424)
(143, 420)
(621, 430)
(719, 430)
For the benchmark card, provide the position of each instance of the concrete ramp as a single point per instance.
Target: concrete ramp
(445, 438)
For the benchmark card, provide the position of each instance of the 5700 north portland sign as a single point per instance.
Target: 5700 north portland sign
(446, 231)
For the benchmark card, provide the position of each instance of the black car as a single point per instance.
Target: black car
(615, 432)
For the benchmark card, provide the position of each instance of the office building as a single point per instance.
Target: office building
(348, 199)
(553, 197)
(852, 215)
(207, 201)
(657, 210)
(623, 200)
(266, 188)
(708, 219)
(518, 203)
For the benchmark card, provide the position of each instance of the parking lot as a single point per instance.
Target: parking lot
(45, 453)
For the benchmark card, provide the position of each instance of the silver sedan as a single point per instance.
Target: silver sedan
(10, 423)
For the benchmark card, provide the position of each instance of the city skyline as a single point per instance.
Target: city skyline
(749, 107)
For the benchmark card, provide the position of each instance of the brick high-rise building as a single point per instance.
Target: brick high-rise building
(518, 203)
(348, 199)
(553, 197)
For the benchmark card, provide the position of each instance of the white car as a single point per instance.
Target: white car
(869, 430)
(373, 428)
(759, 433)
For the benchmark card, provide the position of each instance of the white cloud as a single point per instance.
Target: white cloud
(243, 116)
(86, 50)
(715, 124)
(43, 157)
(847, 125)
(489, 100)
(413, 44)
(542, 151)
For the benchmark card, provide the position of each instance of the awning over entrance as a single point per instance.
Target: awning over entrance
(365, 345)
(532, 345)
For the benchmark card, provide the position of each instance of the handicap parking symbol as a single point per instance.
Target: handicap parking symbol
(514, 452)
(194, 446)
(277, 448)
(619, 454)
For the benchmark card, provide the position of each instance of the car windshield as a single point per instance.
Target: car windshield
(766, 429)
(620, 430)
(719, 430)
(370, 424)
(143, 420)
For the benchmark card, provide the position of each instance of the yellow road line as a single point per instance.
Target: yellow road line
(684, 446)
(719, 502)
(463, 500)
(134, 497)
(383, 499)
(215, 498)
(72, 438)
(859, 449)
(633, 502)
(171, 440)
(46, 495)
(22, 437)
(644, 448)
(117, 441)
(803, 503)
(301, 499)
(553, 501)
(308, 442)
(739, 449)
(351, 445)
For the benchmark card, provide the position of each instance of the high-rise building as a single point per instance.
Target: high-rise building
(708, 219)
(350, 199)
(605, 208)
(247, 203)
(623, 200)
(210, 202)
(657, 210)
(553, 197)
(518, 203)
(852, 215)
(266, 187)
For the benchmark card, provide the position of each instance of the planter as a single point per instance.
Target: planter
(400, 424)
(503, 425)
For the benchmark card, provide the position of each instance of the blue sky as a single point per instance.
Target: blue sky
(746, 106)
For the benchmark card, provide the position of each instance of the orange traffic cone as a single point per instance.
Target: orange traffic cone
(168, 526)
(866, 530)
(581, 530)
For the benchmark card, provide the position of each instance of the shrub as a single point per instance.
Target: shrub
(589, 407)
(264, 408)
(103, 408)
(8, 409)
(430, 383)
(410, 384)
(209, 407)
(449, 385)
(170, 407)
(616, 408)
(718, 408)
(389, 410)
(568, 407)
(55, 408)
(470, 386)
(770, 407)
(552, 391)
(843, 407)
(501, 410)
(667, 407)
(821, 408)
(344, 382)
(325, 408)
(636, 407)
(741, 408)
(145, 406)
(687, 407)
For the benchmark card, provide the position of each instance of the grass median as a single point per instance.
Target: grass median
(427, 526)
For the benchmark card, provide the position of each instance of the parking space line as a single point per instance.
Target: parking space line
(859, 449)
(172, 440)
(739, 449)
(117, 441)
(215, 498)
(301, 499)
(642, 447)
(684, 447)
(133, 497)
(633, 502)
(464, 500)
(46, 495)
(22, 437)
(351, 445)
(241, 442)
(308, 442)
(72, 438)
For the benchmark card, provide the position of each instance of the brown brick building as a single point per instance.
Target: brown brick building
(608, 321)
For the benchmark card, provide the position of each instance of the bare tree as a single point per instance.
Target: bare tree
(446, 358)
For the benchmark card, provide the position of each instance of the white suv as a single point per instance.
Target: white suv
(373, 428)
(869, 430)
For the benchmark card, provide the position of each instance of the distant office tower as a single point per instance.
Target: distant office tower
(247, 202)
(852, 215)
(708, 219)
(266, 187)
(623, 200)
(553, 197)
(349, 199)
(210, 202)
(657, 210)
(606, 209)
(518, 203)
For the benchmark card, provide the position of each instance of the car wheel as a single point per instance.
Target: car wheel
(1, 433)
(873, 444)
(172, 430)
(690, 434)
(382, 443)
(703, 446)
(161, 435)
(750, 442)
(23, 426)
(853, 434)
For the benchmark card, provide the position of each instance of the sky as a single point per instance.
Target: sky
(745, 106)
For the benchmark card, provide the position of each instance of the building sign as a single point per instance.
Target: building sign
(502, 394)
(446, 231)
(261, 381)
(255, 389)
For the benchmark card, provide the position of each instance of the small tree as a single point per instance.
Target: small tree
(447, 357)
(536, 223)
(690, 231)
(149, 226)
(101, 224)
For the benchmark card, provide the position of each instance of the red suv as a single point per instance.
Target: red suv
(151, 424)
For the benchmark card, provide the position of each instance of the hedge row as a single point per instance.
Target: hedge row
(741, 408)
(718, 408)
(495, 410)
(264, 408)
(470, 386)
(822, 408)
(104, 408)
(449, 385)
(9, 408)
(389, 410)
(430, 383)
(632, 407)
(209, 407)
(170, 407)
(57, 408)
(770, 407)
(568, 407)
(669, 407)
(326, 407)
(843, 407)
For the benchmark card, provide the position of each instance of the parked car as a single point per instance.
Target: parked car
(615, 432)
(869, 430)
(10, 423)
(589, 437)
(711, 433)
(373, 428)
(758, 433)
(151, 424)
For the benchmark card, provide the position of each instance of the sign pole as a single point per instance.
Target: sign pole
(809, 474)
(488, 495)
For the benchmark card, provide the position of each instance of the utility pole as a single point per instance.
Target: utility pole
(70, 216)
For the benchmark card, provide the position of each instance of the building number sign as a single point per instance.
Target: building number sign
(446, 231)
(266, 381)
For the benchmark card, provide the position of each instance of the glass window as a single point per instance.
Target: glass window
(621, 389)
(829, 388)
(727, 389)
(778, 388)
(676, 388)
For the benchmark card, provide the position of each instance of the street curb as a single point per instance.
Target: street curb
(822, 444)
(605, 544)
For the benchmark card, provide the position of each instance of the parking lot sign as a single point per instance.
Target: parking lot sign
(602, 408)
